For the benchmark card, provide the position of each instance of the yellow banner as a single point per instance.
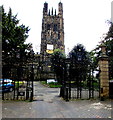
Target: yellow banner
(49, 51)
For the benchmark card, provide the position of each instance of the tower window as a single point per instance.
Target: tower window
(48, 26)
(55, 27)
(45, 26)
(58, 35)
(42, 26)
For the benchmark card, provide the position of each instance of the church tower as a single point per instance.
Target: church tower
(52, 35)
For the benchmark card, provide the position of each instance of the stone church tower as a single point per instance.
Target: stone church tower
(52, 35)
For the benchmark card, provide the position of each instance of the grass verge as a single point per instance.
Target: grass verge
(51, 85)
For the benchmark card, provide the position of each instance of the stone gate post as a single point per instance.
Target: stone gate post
(104, 73)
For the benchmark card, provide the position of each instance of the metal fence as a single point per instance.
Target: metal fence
(17, 82)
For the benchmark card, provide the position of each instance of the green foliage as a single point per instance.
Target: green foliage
(54, 85)
(79, 55)
(43, 82)
(110, 32)
(59, 53)
(57, 59)
(108, 41)
(13, 38)
(109, 44)
(51, 84)
(19, 83)
(94, 59)
(80, 61)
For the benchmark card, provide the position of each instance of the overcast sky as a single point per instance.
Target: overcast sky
(84, 20)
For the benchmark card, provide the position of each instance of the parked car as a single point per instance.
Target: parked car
(6, 85)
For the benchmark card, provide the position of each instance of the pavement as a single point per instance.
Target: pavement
(48, 104)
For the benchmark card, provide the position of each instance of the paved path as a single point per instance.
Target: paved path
(43, 93)
(47, 104)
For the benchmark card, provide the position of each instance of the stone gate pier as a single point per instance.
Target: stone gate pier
(104, 73)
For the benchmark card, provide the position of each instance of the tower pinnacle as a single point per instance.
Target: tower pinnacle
(52, 11)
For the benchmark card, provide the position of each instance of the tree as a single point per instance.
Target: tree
(14, 49)
(57, 59)
(13, 38)
(109, 44)
(108, 41)
(80, 60)
(110, 31)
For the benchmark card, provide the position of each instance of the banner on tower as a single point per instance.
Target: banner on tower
(49, 48)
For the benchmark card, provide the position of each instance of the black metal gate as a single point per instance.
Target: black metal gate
(76, 85)
(17, 82)
(111, 89)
